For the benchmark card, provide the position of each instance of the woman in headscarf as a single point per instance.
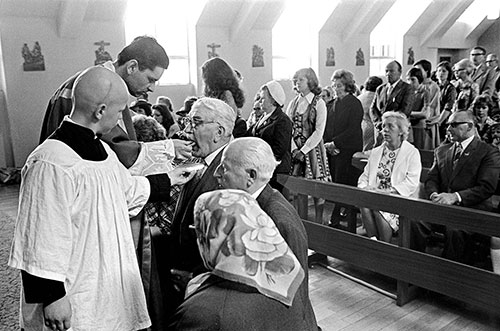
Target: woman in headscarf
(275, 128)
(253, 275)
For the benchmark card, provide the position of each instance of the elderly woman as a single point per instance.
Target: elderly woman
(275, 128)
(253, 275)
(466, 88)
(221, 82)
(308, 114)
(393, 167)
(366, 98)
(343, 138)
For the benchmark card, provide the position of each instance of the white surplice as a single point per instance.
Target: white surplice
(73, 226)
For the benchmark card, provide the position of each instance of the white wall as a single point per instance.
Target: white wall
(28, 92)
(345, 56)
(239, 55)
(491, 38)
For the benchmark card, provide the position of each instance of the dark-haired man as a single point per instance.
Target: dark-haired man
(140, 65)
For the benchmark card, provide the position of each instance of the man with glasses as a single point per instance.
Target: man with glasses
(467, 89)
(465, 172)
(492, 63)
(209, 125)
(482, 75)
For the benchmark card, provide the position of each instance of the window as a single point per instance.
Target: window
(387, 41)
(302, 20)
(172, 24)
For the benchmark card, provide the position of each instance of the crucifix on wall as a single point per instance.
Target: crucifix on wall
(101, 55)
(212, 53)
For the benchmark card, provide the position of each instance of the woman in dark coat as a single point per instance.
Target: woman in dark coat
(275, 128)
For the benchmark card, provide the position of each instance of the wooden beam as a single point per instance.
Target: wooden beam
(367, 18)
(449, 12)
(70, 17)
(245, 20)
(452, 216)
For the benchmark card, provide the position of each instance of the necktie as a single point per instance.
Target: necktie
(458, 153)
(389, 90)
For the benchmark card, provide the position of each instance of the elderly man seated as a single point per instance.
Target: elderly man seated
(248, 164)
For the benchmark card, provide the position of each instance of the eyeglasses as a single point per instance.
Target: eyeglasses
(188, 121)
(455, 124)
(458, 70)
(476, 54)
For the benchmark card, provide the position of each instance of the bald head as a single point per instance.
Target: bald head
(99, 96)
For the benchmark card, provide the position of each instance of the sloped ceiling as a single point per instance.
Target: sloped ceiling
(225, 13)
(356, 16)
(95, 10)
(438, 18)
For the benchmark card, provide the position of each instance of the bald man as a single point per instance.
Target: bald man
(73, 241)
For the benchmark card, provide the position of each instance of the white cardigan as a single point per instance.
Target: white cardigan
(405, 177)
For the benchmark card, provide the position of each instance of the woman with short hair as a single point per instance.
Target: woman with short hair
(481, 108)
(466, 88)
(420, 110)
(343, 138)
(448, 95)
(393, 167)
(366, 98)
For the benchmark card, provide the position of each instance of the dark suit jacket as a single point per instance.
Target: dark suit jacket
(400, 100)
(292, 229)
(221, 304)
(475, 176)
(183, 252)
(240, 127)
(485, 78)
(277, 132)
(343, 124)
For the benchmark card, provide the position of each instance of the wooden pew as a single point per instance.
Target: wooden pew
(469, 284)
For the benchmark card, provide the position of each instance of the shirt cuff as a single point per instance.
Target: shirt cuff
(160, 187)
(41, 290)
(459, 198)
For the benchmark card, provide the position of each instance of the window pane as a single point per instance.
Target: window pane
(177, 72)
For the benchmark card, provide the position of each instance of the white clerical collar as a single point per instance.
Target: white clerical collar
(70, 120)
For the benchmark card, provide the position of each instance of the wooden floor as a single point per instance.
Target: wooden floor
(339, 303)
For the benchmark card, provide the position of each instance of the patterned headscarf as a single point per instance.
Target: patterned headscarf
(238, 241)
